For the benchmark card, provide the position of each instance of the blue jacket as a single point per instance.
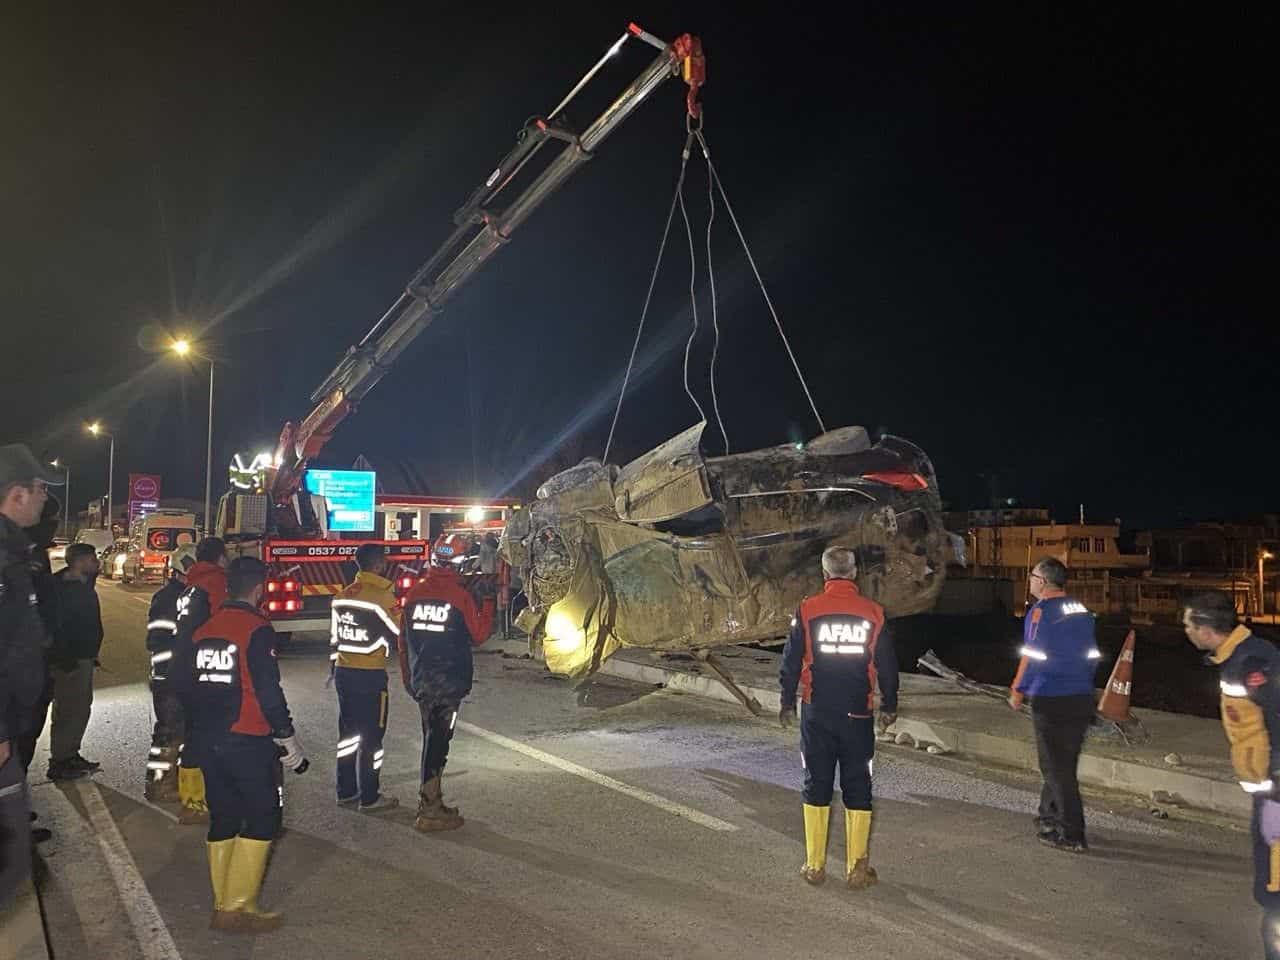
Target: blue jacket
(1062, 653)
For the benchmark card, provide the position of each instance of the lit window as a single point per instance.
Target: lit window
(1099, 545)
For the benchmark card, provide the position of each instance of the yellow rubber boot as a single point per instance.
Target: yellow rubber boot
(240, 913)
(191, 792)
(857, 831)
(816, 821)
(219, 869)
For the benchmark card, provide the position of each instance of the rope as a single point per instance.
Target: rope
(711, 277)
(706, 152)
(693, 299)
(648, 298)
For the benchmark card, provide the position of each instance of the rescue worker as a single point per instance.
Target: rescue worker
(23, 641)
(162, 632)
(838, 652)
(41, 537)
(237, 716)
(205, 593)
(442, 621)
(1059, 658)
(365, 629)
(1248, 675)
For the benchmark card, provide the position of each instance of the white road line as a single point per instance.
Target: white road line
(984, 929)
(148, 926)
(644, 796)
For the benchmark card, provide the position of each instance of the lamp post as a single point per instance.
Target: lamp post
(95, 428)
(1263, 556)
(66, 496)
(182, 347)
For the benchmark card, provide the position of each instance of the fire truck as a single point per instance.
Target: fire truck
(269, 512)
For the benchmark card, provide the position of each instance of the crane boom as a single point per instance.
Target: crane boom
(480, 232)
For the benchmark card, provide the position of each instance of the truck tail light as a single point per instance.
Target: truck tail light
(406, 583)
(273, 586)
(273, 605)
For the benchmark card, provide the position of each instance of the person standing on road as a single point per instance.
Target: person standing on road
(441, 623)
(41, 537)
(23, 638)
(1059, 658)
(76, 644)
(239, 718)
(838, 652)
(1249, 682)
(364, 631)
(162, 631)
(204, 596)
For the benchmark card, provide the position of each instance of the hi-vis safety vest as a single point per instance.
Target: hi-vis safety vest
(1250, 706)
(362, 634)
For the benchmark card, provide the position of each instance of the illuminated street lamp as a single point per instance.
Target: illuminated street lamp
(182, 347)
(66, 494)
(95, 428)
(1263, 556)
(475, 515)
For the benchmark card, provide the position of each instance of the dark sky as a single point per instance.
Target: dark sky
(1036, 243)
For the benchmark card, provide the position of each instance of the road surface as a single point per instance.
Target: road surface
(629, 823)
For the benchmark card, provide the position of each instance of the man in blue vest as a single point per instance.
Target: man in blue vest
(1059, 658)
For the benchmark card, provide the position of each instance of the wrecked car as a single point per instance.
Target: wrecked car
(676, 551)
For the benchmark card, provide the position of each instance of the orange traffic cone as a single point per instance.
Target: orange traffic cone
(1114, 704)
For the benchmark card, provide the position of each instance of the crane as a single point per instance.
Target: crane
(481, 230)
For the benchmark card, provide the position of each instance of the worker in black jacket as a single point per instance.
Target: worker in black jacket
(41, 537)
(238, 717)
(162, 632)
(22, 645)
(73, 659)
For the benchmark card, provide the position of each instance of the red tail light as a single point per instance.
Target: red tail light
(406, 583)
(902, 481)
(273, 605)
(291, 605)
(401, 601)
(273, 586)
(290, 586)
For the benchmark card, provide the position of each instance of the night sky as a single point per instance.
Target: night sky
(1035, 243)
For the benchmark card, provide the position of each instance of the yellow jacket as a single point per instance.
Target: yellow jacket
(364, 626)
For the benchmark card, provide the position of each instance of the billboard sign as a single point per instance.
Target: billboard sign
(144, 486)
(350, 494)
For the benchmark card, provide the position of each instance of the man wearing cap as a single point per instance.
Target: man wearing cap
(23, 482)
(162, 631)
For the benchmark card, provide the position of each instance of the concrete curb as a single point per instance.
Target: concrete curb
(1108, 773)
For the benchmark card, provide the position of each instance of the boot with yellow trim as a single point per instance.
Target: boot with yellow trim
(816, 821)
(857, 831)
(194, 810)
(219, 869)
(239, 912)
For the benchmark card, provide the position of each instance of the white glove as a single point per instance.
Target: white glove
(293, 758)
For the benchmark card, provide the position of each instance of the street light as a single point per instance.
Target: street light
(96, 429)
(66, 495)
(182, 347)
(1263, 556)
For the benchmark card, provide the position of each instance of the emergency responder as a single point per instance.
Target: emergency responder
(1059, 658)
(442, 621)
(238, 717)
(837, 653)
(41, 537)
(364, 631)
(1248, 675)
(205, 593)
(162, 630)
(23, 638)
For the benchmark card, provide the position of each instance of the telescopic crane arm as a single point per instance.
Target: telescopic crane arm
(481, 230)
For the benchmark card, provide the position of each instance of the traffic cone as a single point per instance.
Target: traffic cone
(1114, 704)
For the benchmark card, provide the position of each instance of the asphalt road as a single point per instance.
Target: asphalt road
(627, 823)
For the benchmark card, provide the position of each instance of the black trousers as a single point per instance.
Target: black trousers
(438, 719)
(35, 723)
(242, 787)
(828, 740)
(168, 730)
(1060, 725)
(362, 723)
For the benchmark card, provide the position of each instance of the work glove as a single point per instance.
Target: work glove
(885, 720)
(1269, 821)
(292, 757)
(787, 716)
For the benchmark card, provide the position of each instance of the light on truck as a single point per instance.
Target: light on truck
(272, 586)
(406, 583)
(273, 605)
(290, 586)
(292, 605)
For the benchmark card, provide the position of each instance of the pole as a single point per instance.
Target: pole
(66, 508)
(111, 472)
(208, 459)
(1262, 597)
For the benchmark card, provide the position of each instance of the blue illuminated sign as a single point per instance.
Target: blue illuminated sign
(350, 495)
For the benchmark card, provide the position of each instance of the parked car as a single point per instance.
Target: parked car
(112, 559)
(58, 553)
(100, 539)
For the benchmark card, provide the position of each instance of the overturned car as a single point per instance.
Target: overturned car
(675, 551)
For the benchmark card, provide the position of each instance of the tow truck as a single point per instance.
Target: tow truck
(268, 512)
